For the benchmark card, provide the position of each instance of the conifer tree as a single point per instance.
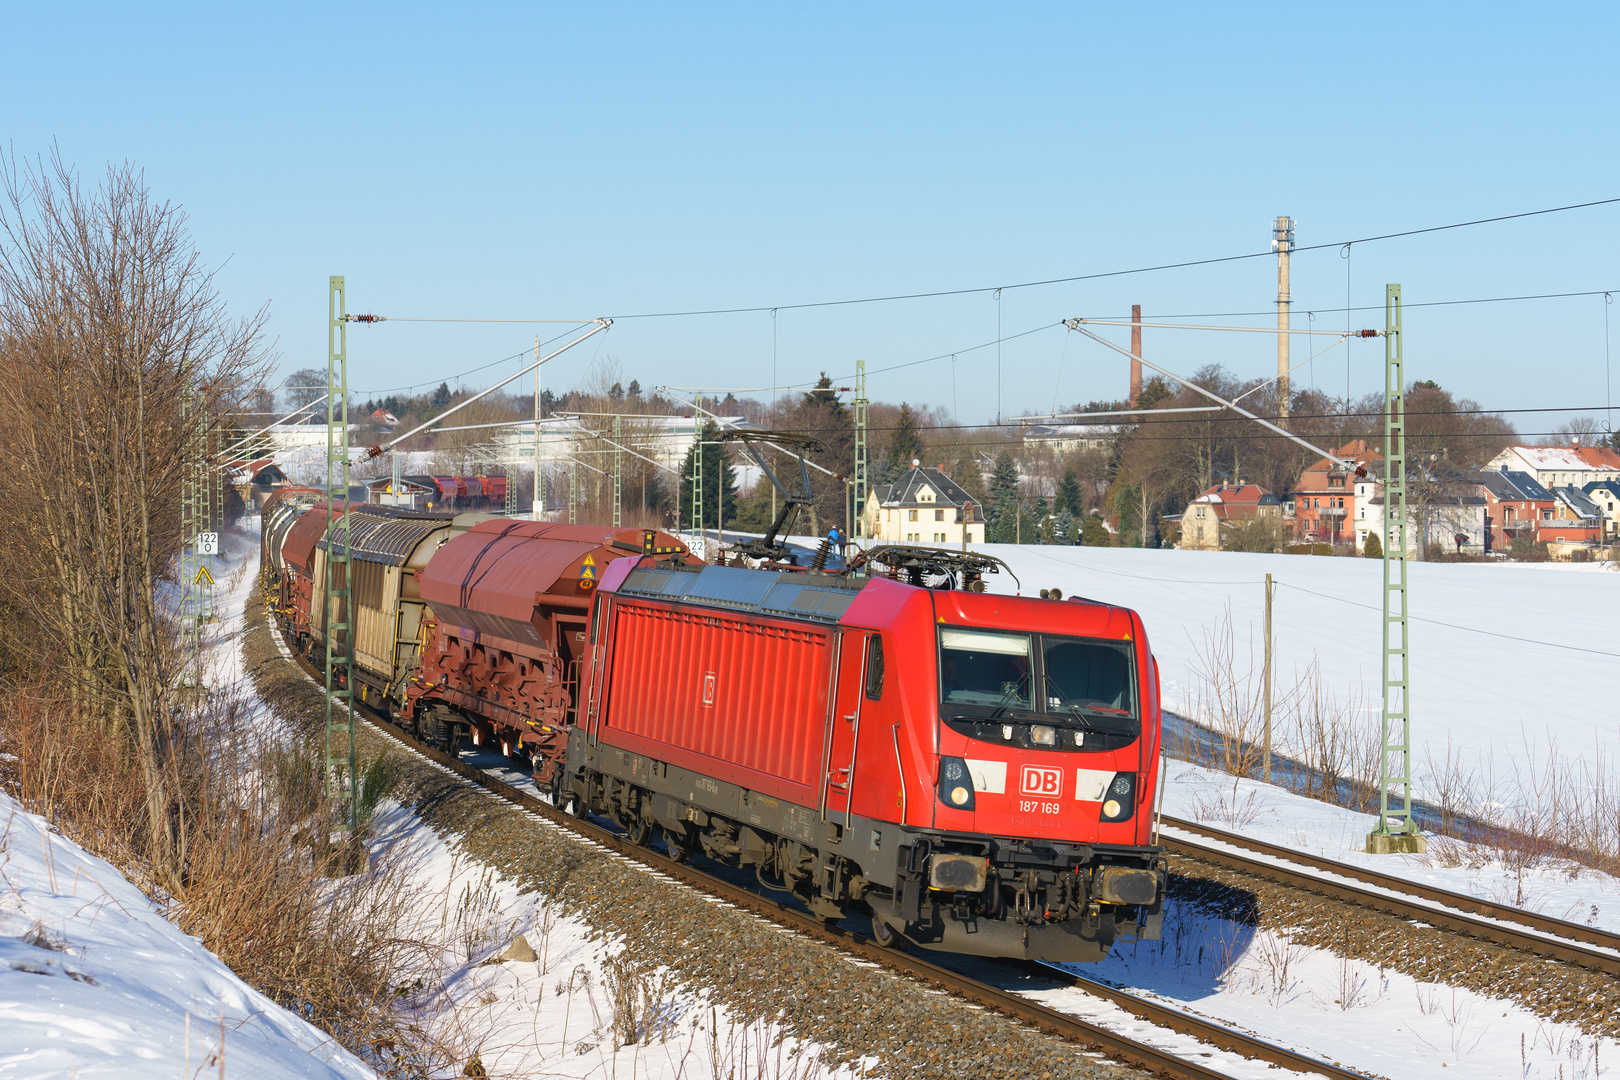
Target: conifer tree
(719, 480)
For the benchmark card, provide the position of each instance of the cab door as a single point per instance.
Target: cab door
(592, 678)
(844, 726)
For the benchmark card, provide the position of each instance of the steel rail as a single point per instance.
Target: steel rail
(1069, 1028)
(1554, 939)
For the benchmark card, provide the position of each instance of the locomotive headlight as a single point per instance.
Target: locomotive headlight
(1042, 735)
(1121, 801)
(955, 787)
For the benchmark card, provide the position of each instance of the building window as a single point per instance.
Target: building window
(939, 515)
(911, 515)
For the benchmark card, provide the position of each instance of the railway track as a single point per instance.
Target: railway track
(1514, 928)
(1158, 1061)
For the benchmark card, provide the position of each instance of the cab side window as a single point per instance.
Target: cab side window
(874, 668)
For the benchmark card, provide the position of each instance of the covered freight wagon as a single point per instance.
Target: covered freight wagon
(388, 548)
(510, 602)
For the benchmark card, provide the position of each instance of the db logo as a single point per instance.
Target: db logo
(1042, 780)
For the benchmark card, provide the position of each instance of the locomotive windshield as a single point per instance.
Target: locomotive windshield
(1002, 682)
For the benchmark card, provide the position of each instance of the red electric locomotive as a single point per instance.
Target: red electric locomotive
(976, 770)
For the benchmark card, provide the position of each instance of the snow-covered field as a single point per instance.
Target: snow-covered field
(1502, 655)
(1345, 1010)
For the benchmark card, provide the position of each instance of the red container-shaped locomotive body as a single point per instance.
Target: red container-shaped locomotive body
(976, 770)
(503, 650)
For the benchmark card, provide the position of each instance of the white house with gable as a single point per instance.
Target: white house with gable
(924, 507)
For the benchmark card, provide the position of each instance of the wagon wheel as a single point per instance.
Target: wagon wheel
(561, 797)
(883, 934)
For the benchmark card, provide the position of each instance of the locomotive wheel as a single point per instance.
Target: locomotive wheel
(678, 852)
(638, 830)
(884, 934)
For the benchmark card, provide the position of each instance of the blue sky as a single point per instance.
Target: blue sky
(564, 161)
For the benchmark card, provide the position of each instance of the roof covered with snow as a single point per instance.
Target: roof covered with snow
(1566, 458)
(907, 490)
(1238, 495)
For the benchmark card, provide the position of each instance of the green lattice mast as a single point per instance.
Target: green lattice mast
(858, 526)
(698, 547)
(618, 472)
(340, 757)
(1396, 831)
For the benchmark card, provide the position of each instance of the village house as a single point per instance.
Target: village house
(1605, 494)
(1515, 503)
(1555, 466)
(255, 480)
(1065, 439)
(1444, 509)
(924, 506)
(1576, 523)
(1324, 499)
(1216, 511)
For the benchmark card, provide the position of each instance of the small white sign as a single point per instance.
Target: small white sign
(989, 777)
(208, 543)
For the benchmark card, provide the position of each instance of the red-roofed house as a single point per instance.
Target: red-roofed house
(1223, 506)
(1324, 500)
(1557, 466)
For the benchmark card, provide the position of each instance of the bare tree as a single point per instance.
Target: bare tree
(118, 361)
(1581, 431)
(302, 387)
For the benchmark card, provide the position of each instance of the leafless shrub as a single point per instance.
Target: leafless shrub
(1275, 960)
(1543, 807)
(1229, 701)
(118, 362)
(756, 1051)
(637, 994)
(337, 951)
(1352, 988)
(546, 924)
(1226, 808)
(1332, 739)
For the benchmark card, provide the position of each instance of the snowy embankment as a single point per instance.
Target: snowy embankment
(95, 982)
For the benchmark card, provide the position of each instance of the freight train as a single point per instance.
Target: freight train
(974, 771)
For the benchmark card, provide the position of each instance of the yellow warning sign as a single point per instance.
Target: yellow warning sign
(203, 576)
(587, 573)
